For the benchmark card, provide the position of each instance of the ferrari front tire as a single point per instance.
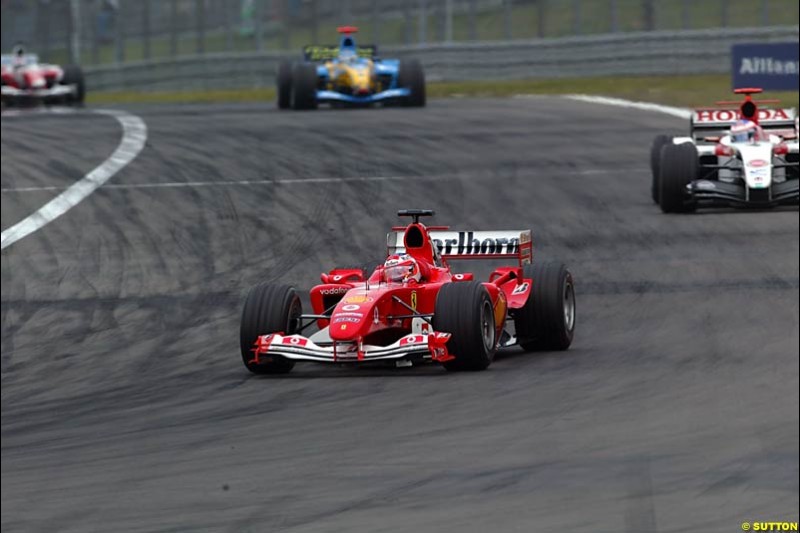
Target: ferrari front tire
(268, 309)
(304, 86)
(465, 311)
(679, 166)
(547, 321)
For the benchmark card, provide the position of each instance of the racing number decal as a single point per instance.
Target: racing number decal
(414, 300)
(520, 289)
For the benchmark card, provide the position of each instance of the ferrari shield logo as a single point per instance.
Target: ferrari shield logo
(414, 300)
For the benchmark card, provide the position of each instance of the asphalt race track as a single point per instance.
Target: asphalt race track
(125, 406)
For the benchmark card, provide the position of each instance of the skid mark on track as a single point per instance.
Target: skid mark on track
(231, 298)
(134, 136)
(306, 181)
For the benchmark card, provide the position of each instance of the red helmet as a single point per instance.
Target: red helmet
(401, 269)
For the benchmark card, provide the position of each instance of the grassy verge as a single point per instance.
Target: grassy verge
(685, 91)
(181, 97)
(688, 91)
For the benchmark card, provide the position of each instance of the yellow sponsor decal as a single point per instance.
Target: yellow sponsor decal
(414, 300)
(357, 299)
(500, 309)
(325, 53)
(769, 526)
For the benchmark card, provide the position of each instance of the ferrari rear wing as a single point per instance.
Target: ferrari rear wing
(473, 244)
(715, 122)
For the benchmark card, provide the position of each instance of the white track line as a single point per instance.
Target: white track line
(630, 104)
(134, 135)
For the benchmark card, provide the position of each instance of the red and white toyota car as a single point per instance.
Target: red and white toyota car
(26, 82)
(412, 308)
(738, 154)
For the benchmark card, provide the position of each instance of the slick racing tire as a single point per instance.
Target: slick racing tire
(304, 86)
(268, 309)
(411, 76)
(793, 172)
(679, 165)
(73, 75)
(284, 85)
(655, 162)
(547, 321)
(465, 311)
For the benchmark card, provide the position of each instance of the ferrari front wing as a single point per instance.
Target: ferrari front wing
(415, 346)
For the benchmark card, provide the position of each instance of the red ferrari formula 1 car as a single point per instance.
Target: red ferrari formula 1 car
(413, 308)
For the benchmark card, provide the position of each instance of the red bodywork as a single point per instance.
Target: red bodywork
(369, 318)
(31, 76)
(28, 82)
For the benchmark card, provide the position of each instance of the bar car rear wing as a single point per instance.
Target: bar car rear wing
(473, 244)
(717, 122)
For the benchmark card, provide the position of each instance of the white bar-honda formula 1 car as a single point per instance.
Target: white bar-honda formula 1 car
(745, 157)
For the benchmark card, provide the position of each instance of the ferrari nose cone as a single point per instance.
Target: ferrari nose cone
(344, 331)
(351, 317)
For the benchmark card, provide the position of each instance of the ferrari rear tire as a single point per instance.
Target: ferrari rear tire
(284, 82)
(411, 76)
(465, 311)
(679, 167)
(268, 309)
(73, 75)
(304, 86)
(655, 162)
(547, 321)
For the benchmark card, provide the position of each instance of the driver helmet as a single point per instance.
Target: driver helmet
(744, 131)
(19, 54)
(347, 55)
(401, 269)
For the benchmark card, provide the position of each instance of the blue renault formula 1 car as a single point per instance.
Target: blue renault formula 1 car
(348, 75)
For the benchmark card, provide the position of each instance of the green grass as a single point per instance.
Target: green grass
(559, 21)
(688, 91)
(180, 97)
